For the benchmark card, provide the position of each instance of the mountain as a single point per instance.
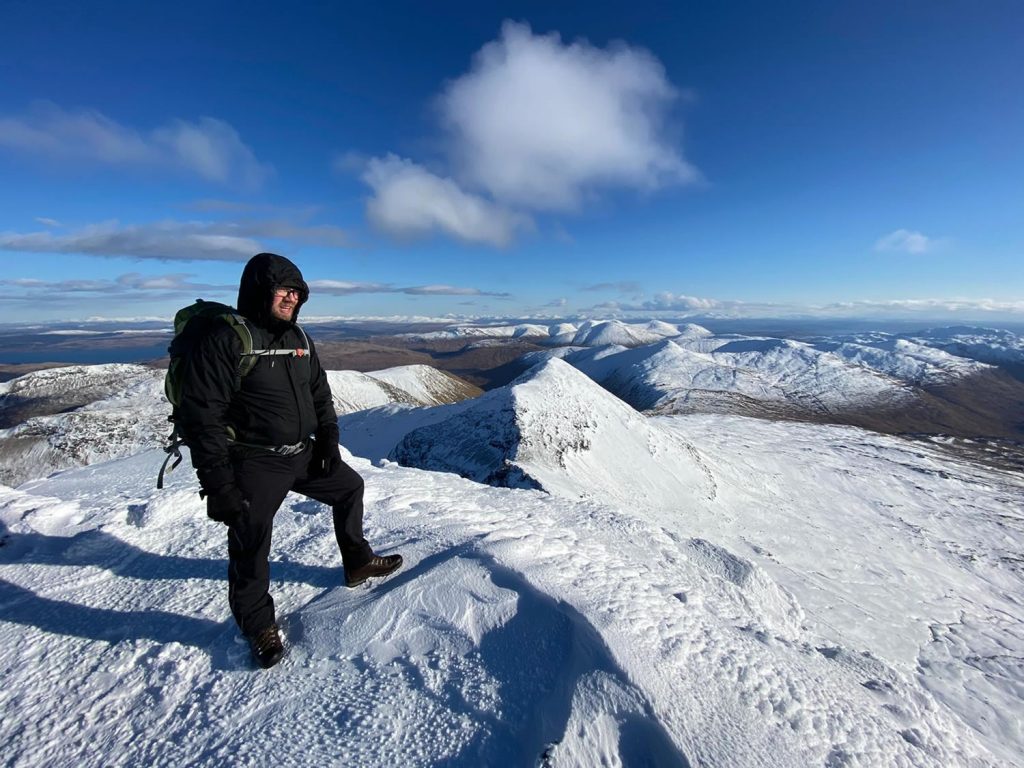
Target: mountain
(75, 416)
(409, 384)
(590, 333)
(553, 429)
(844, 598)
(83, 415)
(884, 383)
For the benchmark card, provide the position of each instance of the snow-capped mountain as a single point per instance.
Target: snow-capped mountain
(908, 361)
(987, 345)
(408, 384)
(554, 429)
(846, 598)
(54, 390)
(882, 382)
(590, 333)
(88, 414)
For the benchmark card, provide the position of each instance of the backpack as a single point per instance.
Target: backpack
(191, 325)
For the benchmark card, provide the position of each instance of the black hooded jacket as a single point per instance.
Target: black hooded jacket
(281, 401)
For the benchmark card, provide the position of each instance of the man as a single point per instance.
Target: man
(250, 443)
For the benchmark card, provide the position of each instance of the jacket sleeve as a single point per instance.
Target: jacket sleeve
(209, 385)
(323, 403)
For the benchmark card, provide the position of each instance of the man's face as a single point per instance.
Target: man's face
(284, 303)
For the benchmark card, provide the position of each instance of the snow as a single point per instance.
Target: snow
(555, 430)
(693, 589)
(808, 615)
(427, 385)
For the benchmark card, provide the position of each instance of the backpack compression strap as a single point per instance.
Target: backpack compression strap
(250, 357)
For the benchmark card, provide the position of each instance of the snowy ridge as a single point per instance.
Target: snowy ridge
(111, 411)
(553, 429)
(987, 345)
(808, 615)
(591, 333)
(911, 362)
(102, 412)
(428, 385)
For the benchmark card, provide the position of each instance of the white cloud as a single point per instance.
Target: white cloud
(906, 241)
(410, 201)
(681, 305)
(666, 301)
(173, 240)
(209, 148)
(344, 288)
(537, 122)
(923, 307)
(47, 222)
(166, 241)
(130, 285)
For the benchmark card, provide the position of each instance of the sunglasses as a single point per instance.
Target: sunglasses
(282, 292)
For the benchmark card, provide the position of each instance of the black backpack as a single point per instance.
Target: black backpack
(191, 325)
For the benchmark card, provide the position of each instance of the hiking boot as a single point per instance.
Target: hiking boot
(267, 648)
(378, 566)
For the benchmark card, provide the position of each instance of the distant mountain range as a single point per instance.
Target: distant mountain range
(955, 381)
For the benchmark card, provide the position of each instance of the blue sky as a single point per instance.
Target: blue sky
(548, 159)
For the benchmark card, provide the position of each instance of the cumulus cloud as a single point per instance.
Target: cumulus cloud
(666, 301)
(344, 288)
(537, 122)
(410, 201)
(208, 148)
(173, 240)
(534, 125)
(906, 241)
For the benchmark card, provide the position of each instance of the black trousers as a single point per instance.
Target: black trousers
(264, 479)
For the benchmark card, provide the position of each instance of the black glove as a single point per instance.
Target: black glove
(227, 505)
(326, 456)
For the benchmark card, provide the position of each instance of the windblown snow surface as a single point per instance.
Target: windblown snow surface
(843, 599)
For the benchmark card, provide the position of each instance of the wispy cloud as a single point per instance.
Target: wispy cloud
(905, 241)
(47, 222)
(537, 122)
(127, 287)
(208, 148)
(924, 307)
(623, 286)
(345, 288)
(410, 201)
(535, 125)
(174, 240)
(692, 306)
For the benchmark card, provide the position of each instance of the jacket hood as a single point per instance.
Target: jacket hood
(264, 273)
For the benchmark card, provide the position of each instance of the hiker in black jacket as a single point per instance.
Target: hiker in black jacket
(250, 442)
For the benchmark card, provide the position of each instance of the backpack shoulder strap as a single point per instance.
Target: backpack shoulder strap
(244, 332)
(305, 340)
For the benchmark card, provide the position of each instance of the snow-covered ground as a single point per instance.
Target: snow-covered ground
(844, 599)
(696, 589)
